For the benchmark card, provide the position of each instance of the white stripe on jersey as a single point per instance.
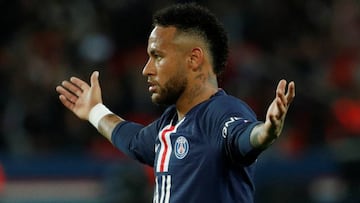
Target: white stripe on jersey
(165, 149)
(165, 189)
(156, 193)
(162, 189)
(168, 187)
(162, 193)
(163, 159)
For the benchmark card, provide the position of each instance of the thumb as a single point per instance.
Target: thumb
(94, 79)
(95, 86)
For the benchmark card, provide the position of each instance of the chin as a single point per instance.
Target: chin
(155, 98)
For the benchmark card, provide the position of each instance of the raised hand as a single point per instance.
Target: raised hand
(78, 96)
(277, 110)
(264, 135)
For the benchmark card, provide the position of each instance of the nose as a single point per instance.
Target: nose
(148, 68)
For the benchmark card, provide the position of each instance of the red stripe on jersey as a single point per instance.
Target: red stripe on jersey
(163, 138)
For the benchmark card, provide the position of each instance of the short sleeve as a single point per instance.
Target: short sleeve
(136, 141)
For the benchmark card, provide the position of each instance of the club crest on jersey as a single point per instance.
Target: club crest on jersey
(181, 147)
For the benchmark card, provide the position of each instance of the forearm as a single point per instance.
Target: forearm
(107, 125)
(104, 120)
(261, 137)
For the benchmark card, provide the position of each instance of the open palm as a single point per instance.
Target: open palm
(78, 96)
(277, 110)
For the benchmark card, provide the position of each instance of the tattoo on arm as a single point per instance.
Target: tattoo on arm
(254, 137)
(259, 138)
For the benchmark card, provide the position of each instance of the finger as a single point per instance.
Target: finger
(67, 103)
(277, 111)
(67, 94)
(280, 91)
(94, 79)
(291, 92)
(80, 83)
(73, 88)
(281, 107)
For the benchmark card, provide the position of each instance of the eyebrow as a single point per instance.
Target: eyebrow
(154, 51)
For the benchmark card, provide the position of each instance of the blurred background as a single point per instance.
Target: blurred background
(48, 155)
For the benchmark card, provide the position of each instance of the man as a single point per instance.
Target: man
(204, 146)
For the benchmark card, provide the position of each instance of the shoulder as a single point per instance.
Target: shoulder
(220, 109)
(227, 105)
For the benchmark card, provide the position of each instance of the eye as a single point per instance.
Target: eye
(157, 56)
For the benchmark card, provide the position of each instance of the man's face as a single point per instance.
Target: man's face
(166, 67)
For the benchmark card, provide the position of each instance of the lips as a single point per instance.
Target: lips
(152, 86)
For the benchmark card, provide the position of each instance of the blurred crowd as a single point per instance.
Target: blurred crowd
(315, 43)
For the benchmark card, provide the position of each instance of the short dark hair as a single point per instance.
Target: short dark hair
(193, 18)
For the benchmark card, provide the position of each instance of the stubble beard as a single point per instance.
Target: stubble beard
(171, 91)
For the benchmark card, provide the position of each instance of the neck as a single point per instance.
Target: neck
(194, 95)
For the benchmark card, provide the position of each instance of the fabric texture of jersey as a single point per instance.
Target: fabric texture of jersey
(205, 157)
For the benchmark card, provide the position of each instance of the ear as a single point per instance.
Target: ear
(196, 58)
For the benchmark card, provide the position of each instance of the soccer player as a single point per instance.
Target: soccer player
(204, 146)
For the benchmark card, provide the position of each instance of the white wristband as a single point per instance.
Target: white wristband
(97, 113)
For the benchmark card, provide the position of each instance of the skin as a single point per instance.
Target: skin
(179, 71)
(178, 63)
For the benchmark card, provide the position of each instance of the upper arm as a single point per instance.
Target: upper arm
(136, 141)
(234, 122)
(237, 142)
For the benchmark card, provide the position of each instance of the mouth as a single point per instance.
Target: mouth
(152, 86)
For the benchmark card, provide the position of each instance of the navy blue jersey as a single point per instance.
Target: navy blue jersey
(204, 157)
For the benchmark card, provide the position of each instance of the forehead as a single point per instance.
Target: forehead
(161, 36)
